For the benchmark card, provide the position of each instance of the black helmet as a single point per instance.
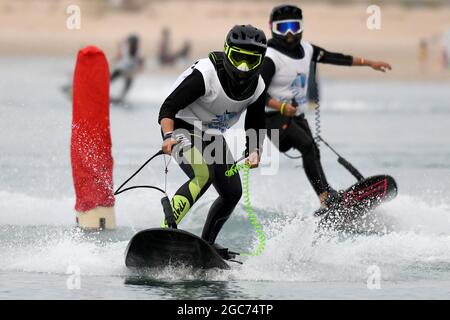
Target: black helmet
(245, 47)
(286, 12)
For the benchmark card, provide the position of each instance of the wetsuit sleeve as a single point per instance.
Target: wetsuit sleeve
(267, 71)
(189, 90)
(322, 56)
(255, 119)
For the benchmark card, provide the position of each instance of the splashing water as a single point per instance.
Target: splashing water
(408, 239)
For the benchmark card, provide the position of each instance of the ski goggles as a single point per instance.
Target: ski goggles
(282, 27)
(243, 60)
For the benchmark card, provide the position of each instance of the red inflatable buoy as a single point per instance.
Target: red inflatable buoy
(92, 162)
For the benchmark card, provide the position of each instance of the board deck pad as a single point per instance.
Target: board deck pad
(158, 247)
(356, 201)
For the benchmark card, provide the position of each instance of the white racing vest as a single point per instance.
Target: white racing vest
(290, 81)
(215, 110)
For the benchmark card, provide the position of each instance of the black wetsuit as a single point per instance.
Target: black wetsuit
(295, 132)
(202, 173)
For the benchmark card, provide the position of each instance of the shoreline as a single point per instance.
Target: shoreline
(38, 28)
(326, 72)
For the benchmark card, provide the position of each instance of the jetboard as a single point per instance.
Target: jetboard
(161, 247)
(359, 199)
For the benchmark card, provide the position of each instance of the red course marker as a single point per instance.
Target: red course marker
(92, 162)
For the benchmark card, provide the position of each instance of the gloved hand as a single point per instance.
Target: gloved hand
(253, 159)
(168, 144)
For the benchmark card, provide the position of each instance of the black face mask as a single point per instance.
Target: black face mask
(133, 49)
(235, 87)
(280, 41)
(240, 88)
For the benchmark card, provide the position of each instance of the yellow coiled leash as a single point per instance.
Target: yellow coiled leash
(248, 207)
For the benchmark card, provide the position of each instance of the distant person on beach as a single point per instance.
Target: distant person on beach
(423, 55)
(446, 58)
(285, 70)
(446, 50)
(167, 58)
(127, 63)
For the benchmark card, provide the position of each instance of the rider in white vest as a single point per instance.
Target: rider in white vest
(207, 99)
(285, 71)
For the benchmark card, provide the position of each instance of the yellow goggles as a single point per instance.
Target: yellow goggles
(243, 60)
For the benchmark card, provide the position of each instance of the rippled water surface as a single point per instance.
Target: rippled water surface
(401, 129)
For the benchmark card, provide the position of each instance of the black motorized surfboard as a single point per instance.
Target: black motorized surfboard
(362, 197)
(158, 247)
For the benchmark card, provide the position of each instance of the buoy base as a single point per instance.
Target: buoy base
(99, 218)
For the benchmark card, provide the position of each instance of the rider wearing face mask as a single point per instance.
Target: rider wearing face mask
(285, 71)
(207, 99)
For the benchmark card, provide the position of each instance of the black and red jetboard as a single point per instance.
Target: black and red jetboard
(361, 198)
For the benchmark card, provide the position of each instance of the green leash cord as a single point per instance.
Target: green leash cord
(248, 207)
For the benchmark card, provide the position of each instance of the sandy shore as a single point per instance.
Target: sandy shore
(37, 27)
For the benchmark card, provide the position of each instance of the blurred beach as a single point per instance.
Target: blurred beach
(396, 123)
(38, 27)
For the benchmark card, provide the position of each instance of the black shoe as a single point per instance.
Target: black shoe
(224, 252)
(333, 198)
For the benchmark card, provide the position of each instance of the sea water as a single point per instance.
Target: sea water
(401, 251)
